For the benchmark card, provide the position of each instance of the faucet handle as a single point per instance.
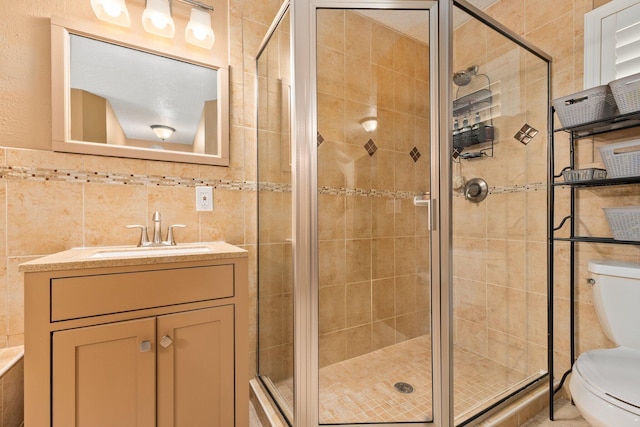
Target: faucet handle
(144, 237)
(170, 240)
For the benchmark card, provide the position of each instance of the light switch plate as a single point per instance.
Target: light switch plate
(204, 199)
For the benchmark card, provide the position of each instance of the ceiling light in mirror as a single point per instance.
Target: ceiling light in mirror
(162, 132)
(199, 31)
(156, 18)
(112, 11)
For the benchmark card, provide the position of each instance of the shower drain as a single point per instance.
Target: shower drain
(403, 387)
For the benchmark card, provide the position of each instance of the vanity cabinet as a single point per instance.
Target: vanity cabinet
(156, 344)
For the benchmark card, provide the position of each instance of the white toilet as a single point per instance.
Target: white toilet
(605, 383)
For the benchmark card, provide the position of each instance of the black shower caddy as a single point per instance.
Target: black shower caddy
(576, 133)
(482, 133)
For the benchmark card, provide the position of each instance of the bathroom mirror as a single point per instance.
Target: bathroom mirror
(121, 96)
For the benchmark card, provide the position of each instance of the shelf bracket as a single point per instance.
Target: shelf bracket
(562, 222)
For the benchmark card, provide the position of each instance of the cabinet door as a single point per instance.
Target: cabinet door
(103, 377)
(196, 368)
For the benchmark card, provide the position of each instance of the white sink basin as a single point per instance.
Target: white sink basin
(153, 251)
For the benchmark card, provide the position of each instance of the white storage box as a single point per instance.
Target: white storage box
(621, 159)
(587, 106)
(624, 222)
(626, 92)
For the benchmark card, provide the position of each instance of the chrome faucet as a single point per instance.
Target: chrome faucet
(157, 228)
(157, 232)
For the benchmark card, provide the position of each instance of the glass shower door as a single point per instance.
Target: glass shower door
(501, 95)
(373, 159)
(275, 258)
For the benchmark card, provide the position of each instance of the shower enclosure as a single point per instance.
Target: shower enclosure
(391, 287)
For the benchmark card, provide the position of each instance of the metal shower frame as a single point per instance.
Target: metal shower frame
(304, 193)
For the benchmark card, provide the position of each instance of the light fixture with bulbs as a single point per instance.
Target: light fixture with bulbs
(156, 18)
(369, 124)
(199, 31)
(112, 11)
(163, 132)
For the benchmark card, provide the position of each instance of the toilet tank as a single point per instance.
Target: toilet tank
(616, 290)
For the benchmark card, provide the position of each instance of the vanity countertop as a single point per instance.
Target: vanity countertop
(111, 256)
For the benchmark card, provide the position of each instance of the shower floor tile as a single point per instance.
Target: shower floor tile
(362, 389)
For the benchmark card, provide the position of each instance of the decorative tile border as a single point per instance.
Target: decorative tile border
(66, 175)
(83, 177)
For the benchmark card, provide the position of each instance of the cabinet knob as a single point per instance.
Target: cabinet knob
(145, 346)
(165, 341)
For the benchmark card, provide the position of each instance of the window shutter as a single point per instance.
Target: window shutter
(611, 42)
(627, 38)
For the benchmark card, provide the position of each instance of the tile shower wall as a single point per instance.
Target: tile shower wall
(53, 201)
(558, 30)
(499, 248)
(373, 243)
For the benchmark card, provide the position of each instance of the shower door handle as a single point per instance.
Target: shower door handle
(425, 201)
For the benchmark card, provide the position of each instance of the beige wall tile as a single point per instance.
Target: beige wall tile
(537, 319)
(407, 327)
(329, 80)
(108, 209)
(15, 302)
(358, 340)
(226, 222)
(470, 300)
(405, 257)
(382, 255)
(358, 260)
(332, 262)
(358, 304)
(383, 297)
(506, 310)
(43, 217)
(358, 218)
(13, 395)
(331, 23)
(472, 336)
(508, 350)
(332, 348)
(331, 217)
(357, 34)
(177, 206)
(383, 333)
(405, 294)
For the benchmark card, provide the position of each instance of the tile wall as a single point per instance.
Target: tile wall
(558, 30)
(499, 254)
(50, 201)
(374, 245)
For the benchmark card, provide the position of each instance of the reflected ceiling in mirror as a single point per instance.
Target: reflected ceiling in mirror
(123, 100)
(144, 89)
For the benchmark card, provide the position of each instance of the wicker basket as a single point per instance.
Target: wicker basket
(626, 92)
(624, 222)
(589, 174)
(587, 106)
(621, 159)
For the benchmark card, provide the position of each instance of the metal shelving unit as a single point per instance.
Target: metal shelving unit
(599, 127)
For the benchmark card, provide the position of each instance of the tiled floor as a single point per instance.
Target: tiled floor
(361, 389)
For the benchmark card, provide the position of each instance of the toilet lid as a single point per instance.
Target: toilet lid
(613, 372)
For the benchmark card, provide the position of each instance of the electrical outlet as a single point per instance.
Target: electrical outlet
(204, 199)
